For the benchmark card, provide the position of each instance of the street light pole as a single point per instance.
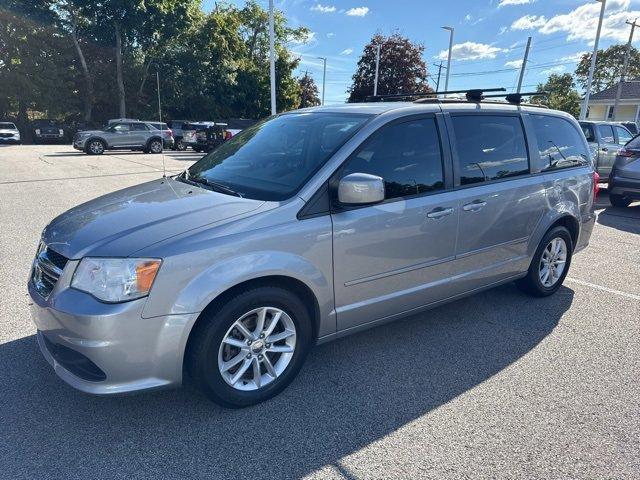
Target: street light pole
(587, 93)
(324, 76)
(446, 80)
(375, 81)
(524, 65)
(158, 85)
(272, 59)
(624, 69)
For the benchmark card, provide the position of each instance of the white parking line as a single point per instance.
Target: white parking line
(604, 289)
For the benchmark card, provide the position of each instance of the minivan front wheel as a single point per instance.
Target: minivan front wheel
(251, 348)
(550, 264)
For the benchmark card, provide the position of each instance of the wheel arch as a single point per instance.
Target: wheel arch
(564, 218)
(151, 139)
(294, 285)
(95, 137)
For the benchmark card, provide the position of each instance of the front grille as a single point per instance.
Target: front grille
(47, 269)
(6, 135)
(75, 362)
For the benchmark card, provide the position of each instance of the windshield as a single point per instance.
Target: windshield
(7, 125)
(273, 159)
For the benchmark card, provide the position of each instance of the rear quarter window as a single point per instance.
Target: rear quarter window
(559, 143)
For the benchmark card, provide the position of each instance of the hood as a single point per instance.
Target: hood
(123, 222)
(90, 132)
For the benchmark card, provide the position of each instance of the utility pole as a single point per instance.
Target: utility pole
(272, 59)
(594, 55)
(446, 81)
(324, 75)
(375, 81)
(439, 71)
(524, 64)
(624, 69)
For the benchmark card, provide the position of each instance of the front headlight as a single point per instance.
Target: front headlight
(61, 131)
(116, 279)
(37, 131)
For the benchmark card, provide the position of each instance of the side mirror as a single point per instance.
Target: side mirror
(360, 189)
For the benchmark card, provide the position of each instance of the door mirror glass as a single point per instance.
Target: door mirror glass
(360, 189)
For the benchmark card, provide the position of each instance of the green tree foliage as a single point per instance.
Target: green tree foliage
(58, 58)
(402, 68)
(608, 69)
(562, 94)
(309, 95)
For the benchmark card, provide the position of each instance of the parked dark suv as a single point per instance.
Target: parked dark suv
(47, 131)
(129, 135)
(624, 182)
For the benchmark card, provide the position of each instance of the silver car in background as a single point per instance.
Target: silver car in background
(304, 228)
(605, 141)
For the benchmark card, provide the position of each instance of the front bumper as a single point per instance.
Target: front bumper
(107, 349)
(626, 187)
(13, 139)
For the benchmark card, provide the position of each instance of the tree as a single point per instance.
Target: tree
(608, 67)
(401, 70)
(562, 94)
(309, 94)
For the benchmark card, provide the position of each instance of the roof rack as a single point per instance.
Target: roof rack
(474, 95)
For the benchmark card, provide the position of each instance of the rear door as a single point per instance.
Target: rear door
(119, 136)
(608, 149)
(139, 134)
(395, 256)
(500, 201)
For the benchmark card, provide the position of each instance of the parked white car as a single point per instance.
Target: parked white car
(9, 133)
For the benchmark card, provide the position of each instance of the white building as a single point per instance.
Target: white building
(601, 103)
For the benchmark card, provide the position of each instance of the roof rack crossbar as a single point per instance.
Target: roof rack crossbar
(516, 98)
(475, 94)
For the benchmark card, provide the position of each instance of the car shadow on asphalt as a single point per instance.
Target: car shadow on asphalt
(350, 393)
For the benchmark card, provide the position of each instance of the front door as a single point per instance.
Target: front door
(395, 256)
(500, 203)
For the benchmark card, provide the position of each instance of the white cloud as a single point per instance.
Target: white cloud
(331, 35)
(549, 71)
(513, 63)
(468, 17)
(581, 23)
(528, 22)
(347, 51)
(504, 3)
(358, 11)
(502, 30)
(576, 57)
(470, 51)
(323, 8)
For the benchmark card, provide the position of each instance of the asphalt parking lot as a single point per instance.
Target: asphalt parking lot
(496, 385)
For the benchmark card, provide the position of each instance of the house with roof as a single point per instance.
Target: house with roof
(601, 103)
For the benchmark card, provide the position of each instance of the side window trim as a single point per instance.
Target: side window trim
(445, 159)
(535, 161)
(454, 150)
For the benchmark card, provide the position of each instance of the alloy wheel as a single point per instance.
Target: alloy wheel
(257, 348)
(155, 147)
(96, 147)
(552, 262)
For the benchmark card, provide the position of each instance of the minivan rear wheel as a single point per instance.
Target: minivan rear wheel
(619, 200)
(550, 264)
(251, 348)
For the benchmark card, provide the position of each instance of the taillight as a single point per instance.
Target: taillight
(171, 133)
(596, 185)
(628, 153)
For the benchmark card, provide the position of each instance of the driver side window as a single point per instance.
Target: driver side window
(121, 127)
(406, 155)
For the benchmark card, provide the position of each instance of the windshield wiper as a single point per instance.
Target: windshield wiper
(215, 186)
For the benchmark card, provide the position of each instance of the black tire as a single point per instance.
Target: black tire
(180, 146)
(619, 200)
(154, 146)
(95, 146)
(196, 149)
(532, 284)
(204, 345)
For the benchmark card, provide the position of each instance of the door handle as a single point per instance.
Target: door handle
(604, 149)
(440, 212)
(474, 206)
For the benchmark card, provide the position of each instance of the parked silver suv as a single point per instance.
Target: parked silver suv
(125, 135)
(605, 141)
(304, 228)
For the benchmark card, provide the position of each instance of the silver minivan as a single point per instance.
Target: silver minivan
(306, 227)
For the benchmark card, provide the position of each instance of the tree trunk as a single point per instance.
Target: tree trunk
(88, 98)
(145, 74)
(120, 80)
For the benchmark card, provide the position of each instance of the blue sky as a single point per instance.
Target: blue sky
(489, 41)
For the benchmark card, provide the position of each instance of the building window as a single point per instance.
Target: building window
(609, 112)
